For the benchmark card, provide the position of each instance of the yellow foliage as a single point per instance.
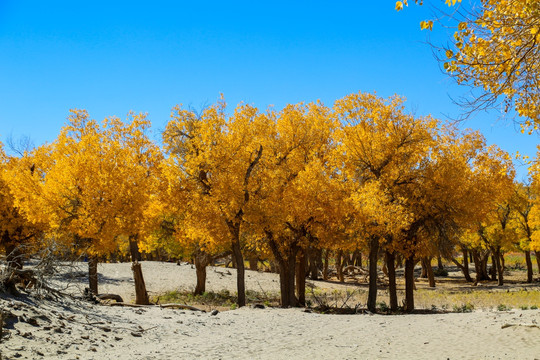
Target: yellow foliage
(92, 183)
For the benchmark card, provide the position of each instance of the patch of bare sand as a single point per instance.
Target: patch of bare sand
(77, 330)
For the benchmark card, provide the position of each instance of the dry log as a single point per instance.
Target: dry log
(115, 297)
(128, 305)
(166, 306)
(355, 270)
(180, 306)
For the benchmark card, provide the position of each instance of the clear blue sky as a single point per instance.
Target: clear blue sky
(110, 57)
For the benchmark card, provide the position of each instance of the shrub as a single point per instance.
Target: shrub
(440, 272)
(464, 308)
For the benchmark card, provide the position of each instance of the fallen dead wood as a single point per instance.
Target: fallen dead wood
(115, 297)
(180, 306)
(166, 306)
(524, 325)
(355, 270)
(25, 279)
(128, 305)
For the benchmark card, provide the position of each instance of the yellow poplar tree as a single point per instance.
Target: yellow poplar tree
(17, 234)
(215, 158)
(522, 203)
(90, 184)
(296, 196)
(385, 149)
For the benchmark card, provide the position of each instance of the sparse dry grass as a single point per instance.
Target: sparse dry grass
(452, 293)
(479, 299)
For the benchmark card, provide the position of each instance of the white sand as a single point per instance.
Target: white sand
(83, 331)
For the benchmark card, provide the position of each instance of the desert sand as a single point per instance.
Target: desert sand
(75, 329)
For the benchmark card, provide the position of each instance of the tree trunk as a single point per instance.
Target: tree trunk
(253, 262)
(399, 261)
(93, 274)
(429, 270)
(240, 272)
(286, 281)
(301, 278)
(409, 284)
(313, 269)
(134, 249)
(392, 288)
(480, 265)
(141, 296)
(529, 266)
(372, 292)
(440, 265)
(287, 271)
(464, 267)
(359, 259)
(537, 256)
(201, 262)
(424, 273)
(494, 269)
(499, 266)
(274, 266)
(319, 259)
(339, 266)
(325, 266)
(465, 270)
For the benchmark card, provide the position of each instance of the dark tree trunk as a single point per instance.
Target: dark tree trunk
(325, 266)
(424, 273)
(392, 288)
(141, 296)
(14, 257)
(350, 258)
(537, 256)
(494, 269)
(301, 278)
(372, 292)
(287, 272)
(429, 270)
(499, 266)
(313, 269)
(358, 259)
(93, 274)
(466, 266)
(319, 259)
(201, 262)
(134, 249)
(240, 272)
(286, 280)
(440, 265)
(409, 284)
(339, 266)
(529, 266)
(480, 265)
(253, 262)
(399, 261)
(274, 266)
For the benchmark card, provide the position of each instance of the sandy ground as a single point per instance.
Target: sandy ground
(73, 329)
